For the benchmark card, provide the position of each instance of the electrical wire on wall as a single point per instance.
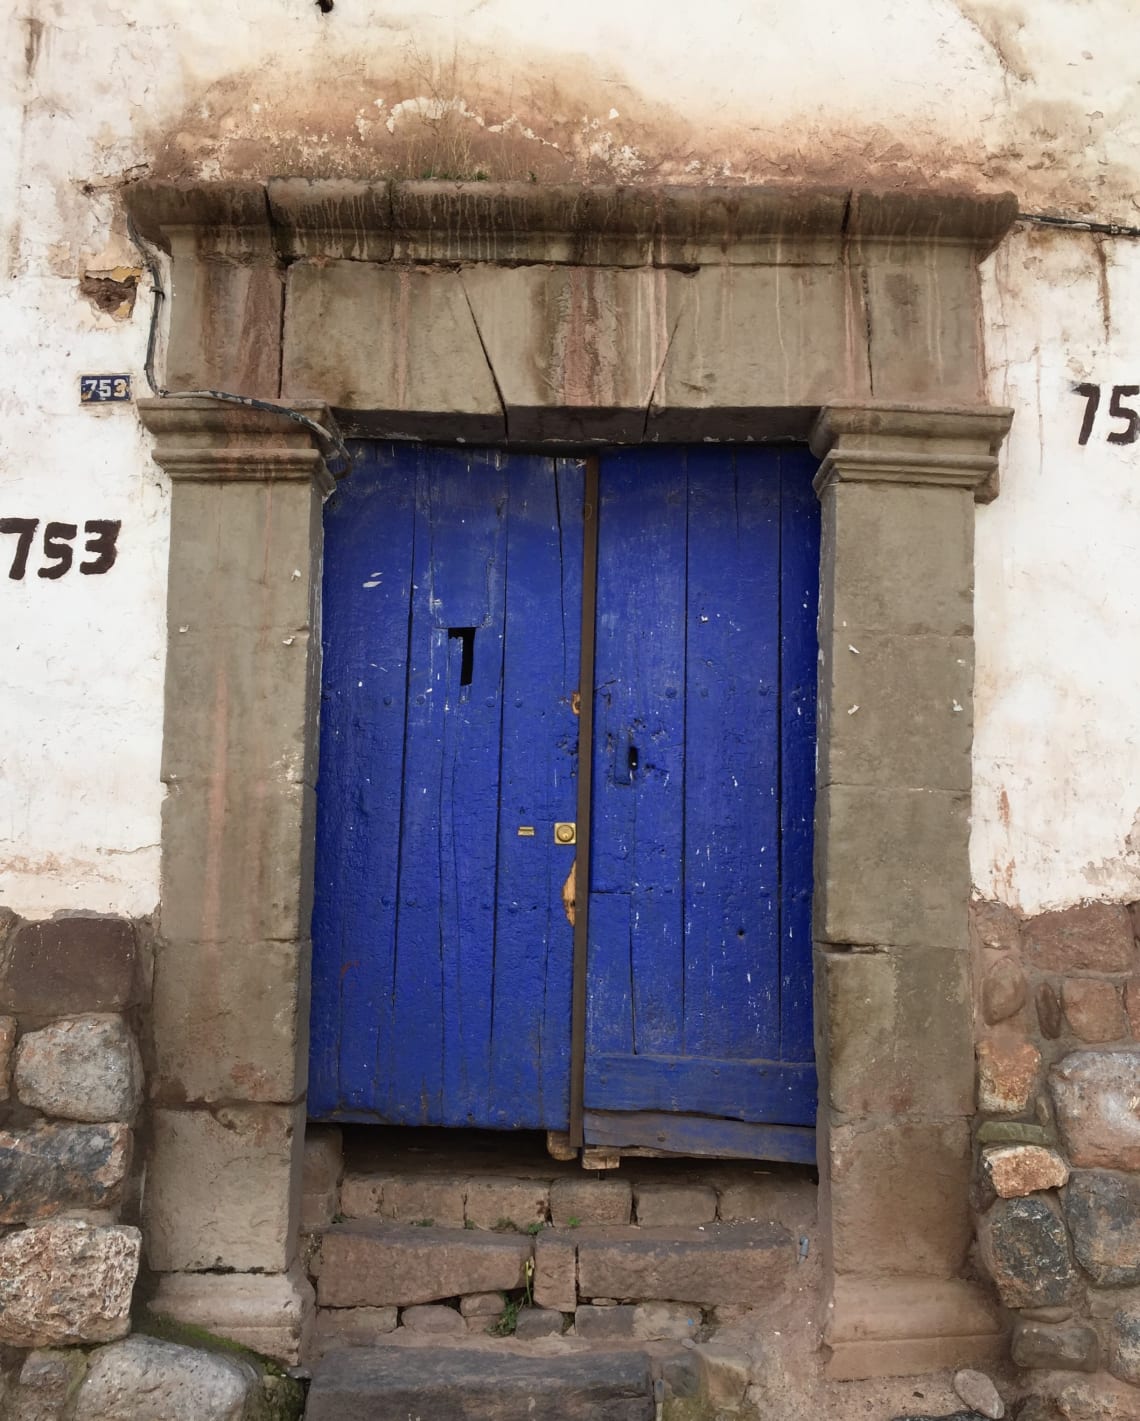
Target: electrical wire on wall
(331, 445)
(1079, 224)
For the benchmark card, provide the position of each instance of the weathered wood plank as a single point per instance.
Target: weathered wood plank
(529, 1027)
(367, 580)
(799, 601)
(700, 1135)
(731, 756)
(761, 1091)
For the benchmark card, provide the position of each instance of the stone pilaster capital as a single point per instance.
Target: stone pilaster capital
(215, 441)
(910, 444)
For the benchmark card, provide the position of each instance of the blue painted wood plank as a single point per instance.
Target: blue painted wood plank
(799, 601)
(700, 1135)
(639, 743)
(609, 990)
(529, 1025)
(772, 1092)
(731, 823)
(366, 584)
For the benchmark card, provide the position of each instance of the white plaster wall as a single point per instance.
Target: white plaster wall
(992, 93)
(1057, 748)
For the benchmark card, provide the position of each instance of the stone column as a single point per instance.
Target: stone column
(231, 982)
(897, 486)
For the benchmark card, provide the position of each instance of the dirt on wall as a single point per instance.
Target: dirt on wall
(396, 112)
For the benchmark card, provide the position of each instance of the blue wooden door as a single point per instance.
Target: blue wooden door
(699, 1035)
(442, 953)
(442, 948)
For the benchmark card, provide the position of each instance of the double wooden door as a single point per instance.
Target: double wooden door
(448, 891)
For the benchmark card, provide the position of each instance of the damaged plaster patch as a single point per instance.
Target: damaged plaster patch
(1108, 872)
(112, 292)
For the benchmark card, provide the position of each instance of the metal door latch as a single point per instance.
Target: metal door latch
(565, 833)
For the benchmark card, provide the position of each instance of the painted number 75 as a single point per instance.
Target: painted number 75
(1117, 409)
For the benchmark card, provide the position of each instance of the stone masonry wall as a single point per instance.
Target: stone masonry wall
(1057, 1176)
(71, 1090)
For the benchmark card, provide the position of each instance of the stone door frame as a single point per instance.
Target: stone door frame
(575, 316)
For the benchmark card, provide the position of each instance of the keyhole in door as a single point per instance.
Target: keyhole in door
(466, 637)
(632, 761)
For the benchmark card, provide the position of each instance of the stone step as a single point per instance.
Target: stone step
(454, 1384)
(363, 1263)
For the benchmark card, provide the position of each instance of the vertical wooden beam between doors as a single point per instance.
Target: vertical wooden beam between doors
(585, 795)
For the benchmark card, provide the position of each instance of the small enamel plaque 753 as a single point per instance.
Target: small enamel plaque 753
(104, 389)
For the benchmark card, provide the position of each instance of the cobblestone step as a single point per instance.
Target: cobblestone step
(458, 1384)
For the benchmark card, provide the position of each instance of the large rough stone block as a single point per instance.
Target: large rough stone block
(1070, 1346)
(1095, 1398)
(212, 584)
(591, 1201)
(898, 1031)
(888, 1327)
(557, 340)
(321, 1169)
(67, 1282)
(1094, 937)
(231, 1023)
(1017, 1170)
(237, 860)
(715, 369)
(914, 722)
(555, 1281)
(898, 1197)
(87, 1068)
(673, 1206)
(270, 1313)
(223, 1188)
(48, 1380)
(411, 356)
(54, 1167)
(1103, 1212)
(1094, 1009)
(899, 559)
(362, 1384)
(218, 688)
(143, 1379)
(892, 866)
(723, 1263)
(1007, 1073)
(491, 1201)
(372, 1265)
(924, 313)
(1026, 1248)
(1125, 1344)
(70, 963)
(225, 326)
(1097, 1096)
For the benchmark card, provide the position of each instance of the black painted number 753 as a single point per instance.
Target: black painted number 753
(101, 543)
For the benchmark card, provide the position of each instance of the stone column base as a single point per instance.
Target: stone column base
(898, 1326)
(270, 1313)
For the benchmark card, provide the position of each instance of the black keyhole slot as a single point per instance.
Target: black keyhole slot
(632, 761)
(466, 638)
